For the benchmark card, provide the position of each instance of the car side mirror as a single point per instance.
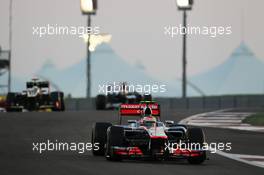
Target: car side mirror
(169, 122)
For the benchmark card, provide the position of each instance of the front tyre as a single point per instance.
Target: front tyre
(99, 137)
(196, 136)
(115, 138)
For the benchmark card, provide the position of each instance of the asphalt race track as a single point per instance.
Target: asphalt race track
(19, 130)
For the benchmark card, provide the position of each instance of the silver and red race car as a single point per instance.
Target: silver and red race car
(147, 137)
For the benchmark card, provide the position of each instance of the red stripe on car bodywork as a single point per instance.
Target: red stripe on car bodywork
(159, 137)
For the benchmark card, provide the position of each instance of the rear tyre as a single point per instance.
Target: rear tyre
(57, 98)
(13, 102)
(100, 102)
(196, 136)
(115, 137)
(99, 137)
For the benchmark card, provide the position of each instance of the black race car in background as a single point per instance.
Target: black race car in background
(113, 99)
(147, 137)
(36, 97)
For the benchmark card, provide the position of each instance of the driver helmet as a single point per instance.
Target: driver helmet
(149, 121)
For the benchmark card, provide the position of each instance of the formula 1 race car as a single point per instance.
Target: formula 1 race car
(36, 97)
(114, 100)
(115, 97)
(147, 137)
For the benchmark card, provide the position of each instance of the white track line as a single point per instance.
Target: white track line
(186, 120)
(244, 158)
(222, 119)
(229, 120)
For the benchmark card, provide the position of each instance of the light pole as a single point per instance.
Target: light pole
(184, 5)
(88, 7)
(10, 42)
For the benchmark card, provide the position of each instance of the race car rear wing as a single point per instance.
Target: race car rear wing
(42, 84)
(138, 110)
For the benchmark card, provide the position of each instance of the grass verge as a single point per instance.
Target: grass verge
(255, 119)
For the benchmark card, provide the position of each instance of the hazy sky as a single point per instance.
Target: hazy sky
(137, 28)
